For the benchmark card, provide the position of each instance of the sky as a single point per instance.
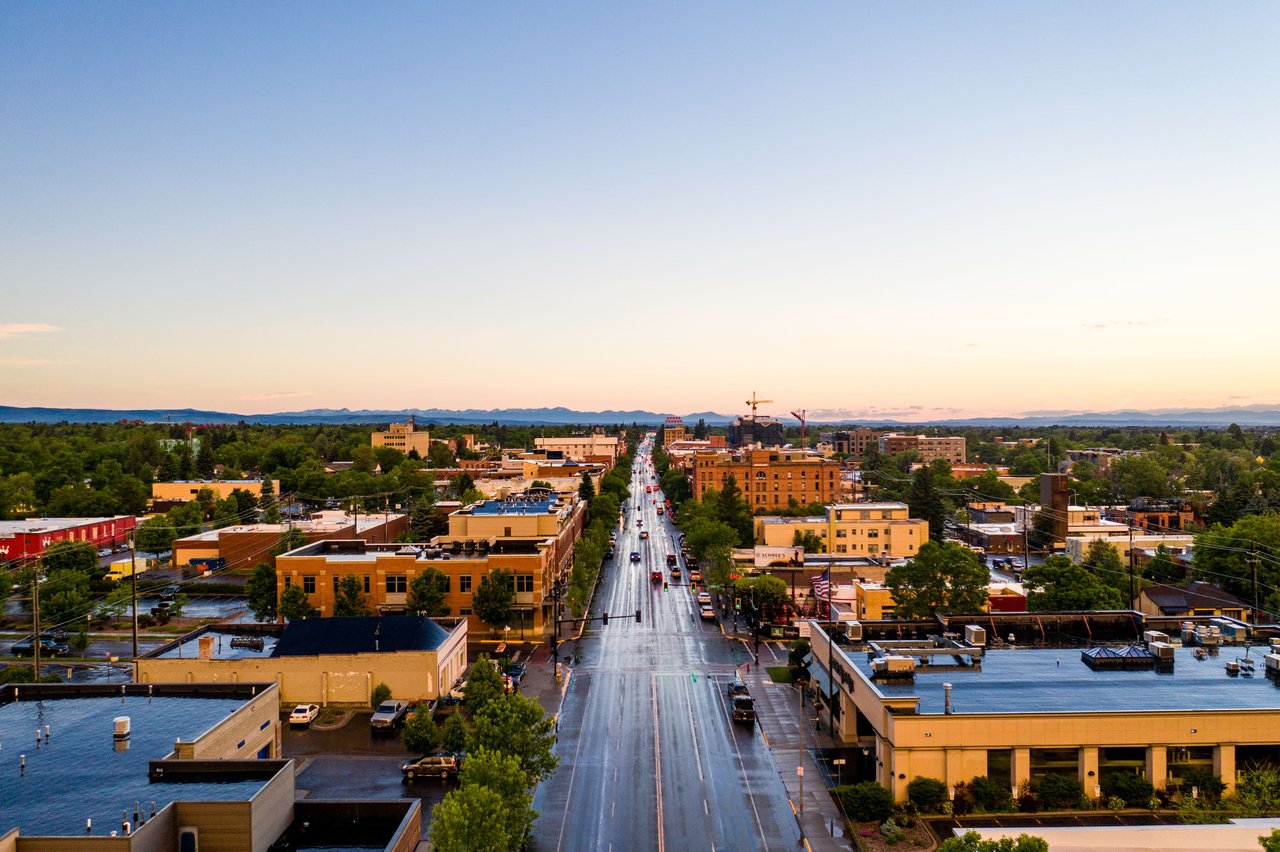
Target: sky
(911, 210)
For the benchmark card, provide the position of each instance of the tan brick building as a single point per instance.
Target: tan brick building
(769, 479)
(929, 448)
(403, 437)
(856, 529)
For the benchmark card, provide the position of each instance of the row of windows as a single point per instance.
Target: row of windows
(398, 584)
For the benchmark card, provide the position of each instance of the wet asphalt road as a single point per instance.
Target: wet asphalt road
(649, 756)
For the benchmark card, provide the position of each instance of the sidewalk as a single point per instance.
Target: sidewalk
(785, 729)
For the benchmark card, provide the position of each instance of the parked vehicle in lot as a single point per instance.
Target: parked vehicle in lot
(744, 709)
(57, 634)
(439, 765)
(168, 593)
(104, 551)
(389, 715)
(304, 714)
(737, 687)
(26, 647)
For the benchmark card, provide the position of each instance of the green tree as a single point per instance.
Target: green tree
(294, 605)
(494, 599)
(515, 725)
(484, 685)
(1270, 842)
(1258, 793)
(1141, 476)
(379, 694)
(267, 500)
(463, 821)
(926, 793)
(154, 535)
(427, 521)
(503, 774)
(454, 737)
(768, 592)
(420, 734)
(427, 593)
(70, 556)
(942, 578)
(440, 455)
(809, 540)
(261, 592)
(867, 801)
(349, 598)
(734, 512)
(1102, 557)
(64, 596)
(1163, 568)
(971, 841)
(1058, 585)
(926, 504)
(1059, 791)
(587, 488)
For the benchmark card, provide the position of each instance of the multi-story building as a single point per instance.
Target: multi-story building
(858, 529)
(245, 545)
(930, 449)
(580, 447)
(769, 479)
(28, 539)
(855, 442)
(1125, 544)
(184, 491)
(1174, 514)
(533, 540)
(673, 430)
(745, 431)
(403, 437)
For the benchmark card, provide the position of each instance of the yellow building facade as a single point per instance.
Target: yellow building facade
(769, 479)
(188, 489)
(403, 437)
(857, 529)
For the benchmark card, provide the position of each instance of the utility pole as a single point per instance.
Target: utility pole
(35, 622)
(831, 676)
(1253, 563)
(1131, 592)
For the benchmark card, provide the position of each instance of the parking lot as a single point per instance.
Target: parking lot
(353, 762)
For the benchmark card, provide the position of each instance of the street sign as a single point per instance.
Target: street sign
(800, 771)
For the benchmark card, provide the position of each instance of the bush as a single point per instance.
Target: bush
(927, 793)
(1059, 792)
(1208, 786)
(866, 802)
(381, 693)
(990, 794)
(1115, 803)
(893, 834)
(1136, 791)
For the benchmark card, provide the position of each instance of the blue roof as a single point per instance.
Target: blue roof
(360, 635)
(1058, 681)
(513, 507)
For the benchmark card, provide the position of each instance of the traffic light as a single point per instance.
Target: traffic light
(604, 619)
(664, 585)
(637, 616)
(737, 603)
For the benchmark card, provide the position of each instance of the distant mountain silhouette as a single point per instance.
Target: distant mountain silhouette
(1249, 415)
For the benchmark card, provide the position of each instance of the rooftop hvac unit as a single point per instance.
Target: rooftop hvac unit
(853, 629)
(894, 665)
(975, 635)
(1272, 663)
(1162, 650)
(1150, 636)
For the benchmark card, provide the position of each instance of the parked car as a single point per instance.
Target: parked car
(389, 715)
(439, 765)
(168, 593)
(737, 687)
(57, 634)
(515, 671)
(304, 714)
(103, 552)
(26, 647)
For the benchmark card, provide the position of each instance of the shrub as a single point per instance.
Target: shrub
(1136, 791)
(1208, 786)
(893, 834)
(1115, 803)
(926, 793)
(1059, 792)
(866, 802)
(989, 793)
(381, 693)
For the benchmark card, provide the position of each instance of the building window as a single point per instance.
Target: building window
(840, 533)
(397, 584)
(873, 549)
(886, 515)
(309, 585)
(464, 583)
(366, 584)
(335, 585)
(524, 582)
(842, 548)
(288, 581)
(466, 610)
(873, 533)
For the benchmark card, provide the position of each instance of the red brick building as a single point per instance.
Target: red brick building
(28, 539)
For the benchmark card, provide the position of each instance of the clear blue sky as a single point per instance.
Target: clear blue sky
(850, 207)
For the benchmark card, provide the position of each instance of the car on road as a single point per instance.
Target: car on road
(26, 647)
(707, 612)
(389, 715)
(744, 709)
(644, 533)
(103, 552)
(515, 671)
(440, 765)
(635, 556)
(737, 687)
(695, 576)
(608, 554)
(303, 715)
(704, 598)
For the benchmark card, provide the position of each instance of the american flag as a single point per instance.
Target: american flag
(822, 585)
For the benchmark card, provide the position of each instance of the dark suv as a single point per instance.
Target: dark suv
(439, 765)
(49, 647)
(737, 687)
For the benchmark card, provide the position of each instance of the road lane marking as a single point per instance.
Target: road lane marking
(697, 752)
(657, 760)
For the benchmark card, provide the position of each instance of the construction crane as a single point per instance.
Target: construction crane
(755, 402)
(799, 415)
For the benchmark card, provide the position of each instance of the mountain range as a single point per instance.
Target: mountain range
(1245, 416)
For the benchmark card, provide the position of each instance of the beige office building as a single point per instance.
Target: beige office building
(856, 529)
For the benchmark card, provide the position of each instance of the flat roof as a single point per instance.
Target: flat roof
(30, 525)
(888, 504)
(1056, 680)
(221, 648)
(80, 773)
(514, 507)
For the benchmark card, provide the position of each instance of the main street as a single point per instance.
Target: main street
(649, 756)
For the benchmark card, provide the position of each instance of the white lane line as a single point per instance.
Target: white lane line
(693, 732)
(746, 783)
(657, 760)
